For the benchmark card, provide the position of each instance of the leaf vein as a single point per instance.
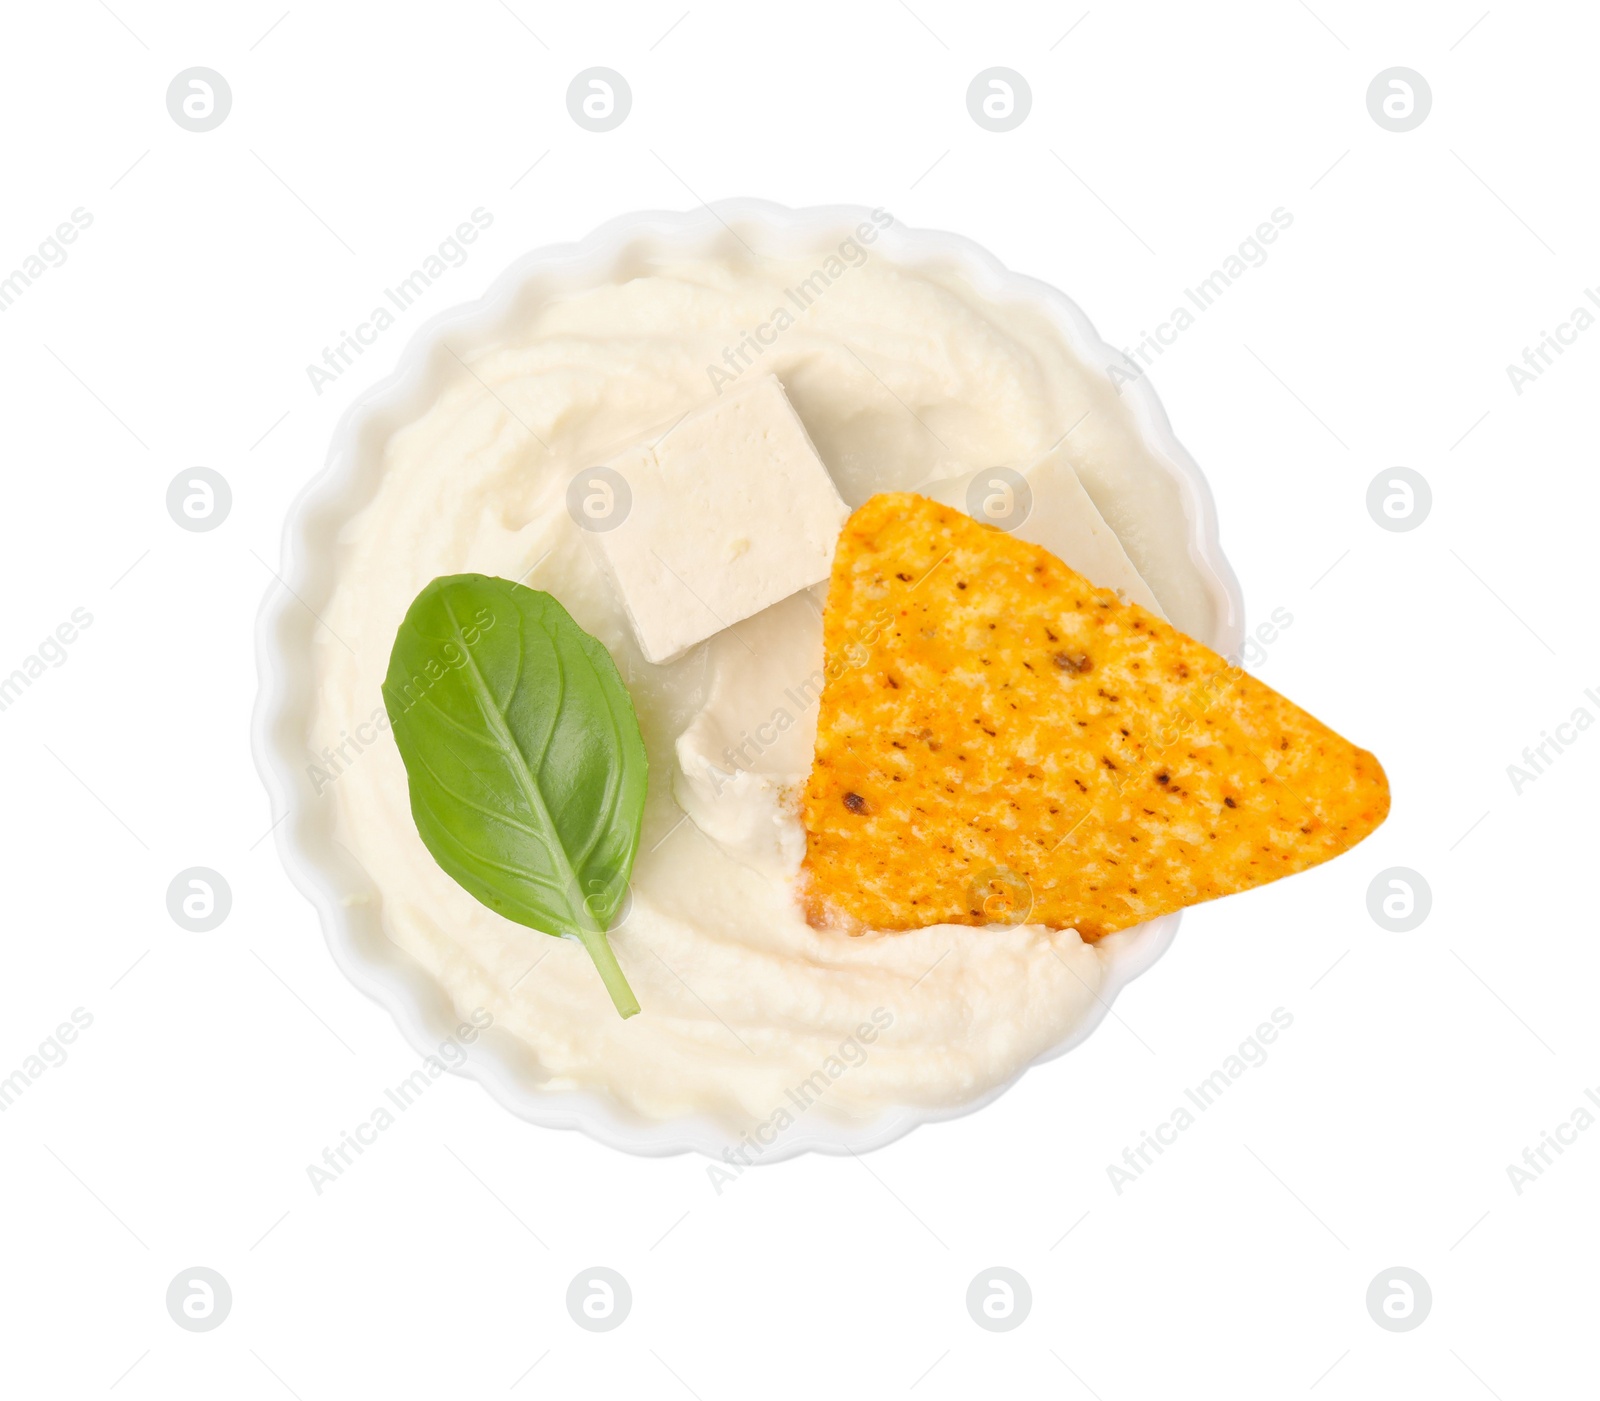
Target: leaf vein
(576, 911)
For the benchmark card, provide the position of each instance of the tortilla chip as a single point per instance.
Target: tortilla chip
(999, 741)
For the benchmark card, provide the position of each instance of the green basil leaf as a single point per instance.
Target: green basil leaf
(527, 770)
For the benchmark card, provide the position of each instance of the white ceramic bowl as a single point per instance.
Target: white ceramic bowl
(344, 895)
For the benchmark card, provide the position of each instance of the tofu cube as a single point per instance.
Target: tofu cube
(730, 512)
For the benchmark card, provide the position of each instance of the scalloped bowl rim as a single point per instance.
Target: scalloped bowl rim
(350, 923)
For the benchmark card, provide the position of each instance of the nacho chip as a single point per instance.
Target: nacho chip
(999, 741)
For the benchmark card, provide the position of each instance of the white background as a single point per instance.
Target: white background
(219, 1065)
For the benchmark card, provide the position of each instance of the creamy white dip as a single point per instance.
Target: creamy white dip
(902, 378)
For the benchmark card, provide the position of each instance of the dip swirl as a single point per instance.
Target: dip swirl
(902, 375)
